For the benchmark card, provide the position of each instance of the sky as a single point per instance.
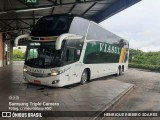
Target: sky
(139, 24)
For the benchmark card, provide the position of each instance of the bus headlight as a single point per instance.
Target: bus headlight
(54, 72)
(25, 70)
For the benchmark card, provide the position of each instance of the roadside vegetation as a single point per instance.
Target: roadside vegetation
(18, 55)
(144, 60)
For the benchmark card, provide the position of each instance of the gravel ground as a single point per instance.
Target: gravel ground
(144, 97)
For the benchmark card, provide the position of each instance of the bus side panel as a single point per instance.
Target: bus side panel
(104, 59)
(72, 73)
(101, 70)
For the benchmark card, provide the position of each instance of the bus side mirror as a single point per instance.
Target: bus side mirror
(20, 37)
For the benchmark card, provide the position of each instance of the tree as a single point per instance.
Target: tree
(17, 54)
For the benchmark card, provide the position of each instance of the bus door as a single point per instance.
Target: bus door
(71, 68)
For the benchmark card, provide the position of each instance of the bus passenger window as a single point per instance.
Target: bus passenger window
(70, 55)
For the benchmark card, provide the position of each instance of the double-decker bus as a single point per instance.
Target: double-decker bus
(66, 49)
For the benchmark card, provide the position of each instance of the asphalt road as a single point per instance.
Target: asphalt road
(145, 95)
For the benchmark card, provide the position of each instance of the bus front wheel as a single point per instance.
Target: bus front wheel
(84, 77)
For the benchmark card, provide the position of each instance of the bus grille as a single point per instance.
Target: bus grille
(37, 74)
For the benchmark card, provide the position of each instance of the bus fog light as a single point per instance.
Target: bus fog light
(56, 81)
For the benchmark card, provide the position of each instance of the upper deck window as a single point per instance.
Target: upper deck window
(54, 25)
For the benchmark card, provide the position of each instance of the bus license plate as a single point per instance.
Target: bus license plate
(37, 82)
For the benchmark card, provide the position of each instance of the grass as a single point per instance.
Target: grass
(18, 59)
(145, 66)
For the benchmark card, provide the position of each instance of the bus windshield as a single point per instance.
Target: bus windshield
(43, 55)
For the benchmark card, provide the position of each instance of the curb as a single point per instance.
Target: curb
(111, 104)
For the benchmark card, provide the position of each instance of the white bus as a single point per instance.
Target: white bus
(67, 49)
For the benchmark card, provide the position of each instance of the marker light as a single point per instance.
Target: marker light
(49, 38)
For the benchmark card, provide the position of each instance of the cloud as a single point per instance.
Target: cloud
(138, 24)
(146, 41)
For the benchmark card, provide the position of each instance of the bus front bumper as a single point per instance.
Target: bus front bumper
(53, 81)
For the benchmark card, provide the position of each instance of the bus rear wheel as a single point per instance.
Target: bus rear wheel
(119, 71)
(84, 77)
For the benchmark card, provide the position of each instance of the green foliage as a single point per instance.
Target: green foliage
(18, 55)
(33, 53)
(144, 60)
(147, 58)
(145, 66)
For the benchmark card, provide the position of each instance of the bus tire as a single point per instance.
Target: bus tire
(84, 77)
(119, 71)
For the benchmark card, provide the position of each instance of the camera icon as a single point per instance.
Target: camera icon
(6, 114)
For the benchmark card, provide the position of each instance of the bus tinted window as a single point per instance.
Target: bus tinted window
(73, 50)
(52, 26)
(101, 57)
